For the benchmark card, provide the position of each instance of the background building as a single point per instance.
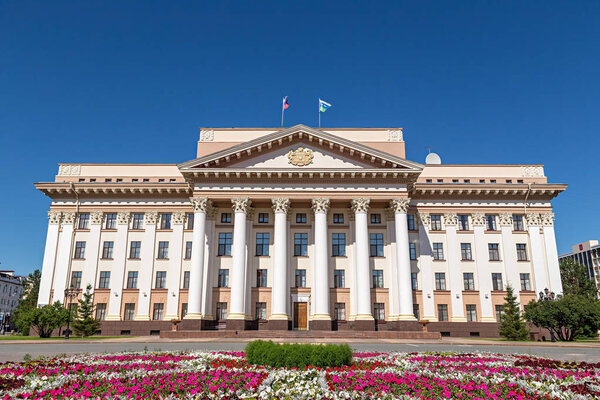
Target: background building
(588, 254)
(11, 288)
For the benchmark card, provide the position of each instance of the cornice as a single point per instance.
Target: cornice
(478, 189)
(65, 189)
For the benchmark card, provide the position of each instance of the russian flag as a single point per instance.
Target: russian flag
(285, 103)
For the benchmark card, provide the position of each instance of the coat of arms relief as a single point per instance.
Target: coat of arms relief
(300, 157)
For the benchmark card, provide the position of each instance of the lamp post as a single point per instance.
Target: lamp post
(70, 294)
(548, 296)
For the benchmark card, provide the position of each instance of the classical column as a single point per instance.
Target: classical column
(509, 255)
(364, 316)
(174, 272)
(351, 248)
(117, 277)
(208, 266)
(537, 252)
(483, 270)
(279, 289)
(65, 247)
(320, 287)
(49, 257)
(455, 275)
(92, 251)
(547, 221)
(426, 266)
(237, 315)
(405, 295)
(201, 206)
(147, 266)
(392, 263)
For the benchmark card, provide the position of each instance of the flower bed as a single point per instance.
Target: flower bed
(199, 375)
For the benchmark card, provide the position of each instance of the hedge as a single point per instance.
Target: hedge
(296, 355)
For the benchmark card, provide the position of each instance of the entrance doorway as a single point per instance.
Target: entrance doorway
(300, 316)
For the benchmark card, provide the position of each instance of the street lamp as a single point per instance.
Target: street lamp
(70, 294)
(548, 296)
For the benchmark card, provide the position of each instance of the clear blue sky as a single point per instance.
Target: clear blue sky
(480, 82)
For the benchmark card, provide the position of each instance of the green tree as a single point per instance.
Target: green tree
(575, 280)
(512, 325)
(47, 318)
(85, 324)
(28, 301)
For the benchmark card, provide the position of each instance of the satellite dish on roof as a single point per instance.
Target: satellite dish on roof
(433, 158)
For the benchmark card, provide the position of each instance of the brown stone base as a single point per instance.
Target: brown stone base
(363, 325)
(320, 325)
(291, 335)
(238, 324)
(196, 325)
(133, 328)
(410, 326)
(465, 329)
(277, 325)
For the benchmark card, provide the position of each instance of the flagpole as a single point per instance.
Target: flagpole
(319, 112)
(282, 110)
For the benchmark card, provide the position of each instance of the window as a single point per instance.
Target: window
(163, 250)
(465, 251)
(416, 312)
(493, 250)
(223, 278)
(300, 244)
(188, 250)
(138, 221)
(379, 311)
(165, 221)
(519, 180)
(119, 179)
(492, 181)
(521, 252)
(338, 218)
(338, 244)
(262, 243)
(412, 250)
(261, 310)
(442, 312)
(377, 278)
(467, 181)
(132, 277)
(454, 180)
(263, 218)
(463, 222)
(440, 281)
(184, 309)
(490, 222)
(497, 281)
(469, 281)
(76, 279)
(375, 218)
(225, 239)
(190, 222)
(221, 311)
(339, 278)
(436, 222)
(499, 312)
(186, 279)
(225, 218)
(84, 220)
(79, 250)
(107, 250)
(300, 218)
(438, 251)
(129, 311)
(471, 313)
(300, 278)
(134, 249)
(339, 311)
(413, 281)
(161, 280)
(100, 311)
(376, 244)
(428, 180)
(410, 218)
(518, 223)
(525, 283)
(157, 311)
(161, 180)
(104, 280)
(135, 180)
(261, 278)
(111, 221)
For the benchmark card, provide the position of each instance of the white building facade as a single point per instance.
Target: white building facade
(300, 228)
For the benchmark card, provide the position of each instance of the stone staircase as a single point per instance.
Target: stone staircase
(310, 334)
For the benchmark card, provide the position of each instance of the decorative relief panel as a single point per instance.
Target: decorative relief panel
(123, 217)
(532, 171)
(425, 219)
(547, 219)
(281, 205)
(151, 218)
(241, 204)
(96, 217)
(395, 135)
(399, 205)
(478, 219)
(207, 135)
(54, 217)
(300, 157)
(320, 205)
(450, 219)
(201, 204)
(505, 219)
(69, 170)
(360, 205)
(533, 219)
(179, 217)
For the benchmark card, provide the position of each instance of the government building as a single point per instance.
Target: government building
(300, 229)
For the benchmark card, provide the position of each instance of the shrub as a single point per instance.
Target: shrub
(296, 355)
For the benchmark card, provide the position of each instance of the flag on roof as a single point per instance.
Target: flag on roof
(323, 105)
(285, 103)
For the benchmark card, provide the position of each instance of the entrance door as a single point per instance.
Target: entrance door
(300, 316)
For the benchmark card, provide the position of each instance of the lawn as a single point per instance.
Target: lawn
(200, 375)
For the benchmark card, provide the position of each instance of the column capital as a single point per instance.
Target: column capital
(360, 205)
(150, 217)
(547, 219)
(478, 219)
(54, 217)
(450, 219)
(96, 217)
(320, 205)
(399, 205)
(179, 217)
(425, 219)
(68, 218)
(201, 204)
(533, 219)
(123, 217)
(240, 204)
(505, 219)
(281, 205)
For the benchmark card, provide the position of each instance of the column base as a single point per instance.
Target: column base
(193, 316)
(431, 318)
(488, 319)
(170, 317)
(142, 318)
(320, 325)
(406, 317)
(279, 317)
(278, 325)
(363, 324)
(112, 318)
(458, 319)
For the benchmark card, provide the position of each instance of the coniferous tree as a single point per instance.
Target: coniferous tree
(512, 325)
(85, 323)
(28, 302)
